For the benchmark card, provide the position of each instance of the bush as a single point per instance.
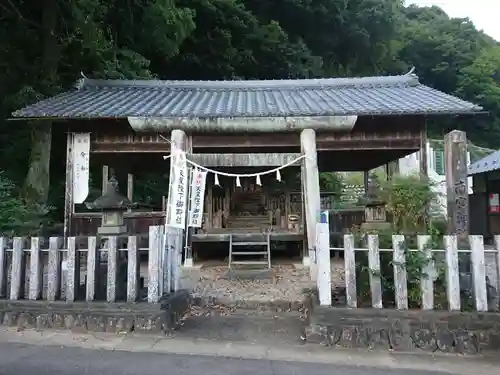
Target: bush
(16, 217)
(407, 201)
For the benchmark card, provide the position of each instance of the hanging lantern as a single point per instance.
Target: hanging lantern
(258, 182)
(216, 180)
(238, 182)
(278, 175)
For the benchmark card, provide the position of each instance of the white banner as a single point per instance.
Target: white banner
(81, 156)
(197, 198)
(178, 199)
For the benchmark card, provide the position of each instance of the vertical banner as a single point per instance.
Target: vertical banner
(197, 198)
(178, 199)
(81, 154)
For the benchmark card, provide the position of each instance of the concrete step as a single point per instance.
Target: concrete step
(263, 243)
(243, 325)
(248, 262)
(249, 252)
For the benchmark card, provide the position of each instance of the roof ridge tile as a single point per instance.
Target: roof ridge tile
(255, 85)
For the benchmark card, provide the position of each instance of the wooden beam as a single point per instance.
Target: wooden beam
(244, 160)
(369, 133)
(244, 124)
(245, 141)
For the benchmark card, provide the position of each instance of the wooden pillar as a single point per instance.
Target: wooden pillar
(310, 183)
(130, 187)
(392, 169)
(287, 206)
(424, 155)
(68, 195)
(457, 190)
(105, 178)
(366, 177)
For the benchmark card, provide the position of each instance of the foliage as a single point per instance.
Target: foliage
(17, 217)
(331, 182)
(407, 199)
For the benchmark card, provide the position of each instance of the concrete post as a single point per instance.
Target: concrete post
(310, 188)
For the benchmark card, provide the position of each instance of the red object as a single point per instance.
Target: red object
(494, 203)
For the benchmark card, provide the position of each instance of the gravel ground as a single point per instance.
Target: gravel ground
(287, 282)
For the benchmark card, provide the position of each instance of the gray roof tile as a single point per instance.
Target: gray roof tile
(200, 99)
(489, 163)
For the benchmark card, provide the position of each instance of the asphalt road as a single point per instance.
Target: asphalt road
(23, 359)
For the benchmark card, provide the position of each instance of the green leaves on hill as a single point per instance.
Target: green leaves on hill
(45, 44)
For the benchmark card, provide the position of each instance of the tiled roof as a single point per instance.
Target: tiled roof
(489, 163)
(273, 98)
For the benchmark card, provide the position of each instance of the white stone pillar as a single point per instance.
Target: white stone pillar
(172, 253)
(310, 188)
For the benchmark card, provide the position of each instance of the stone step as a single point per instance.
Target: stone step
(249, 218)
(254, 306)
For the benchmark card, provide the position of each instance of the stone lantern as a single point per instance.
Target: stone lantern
(375, 211)
(113, 205)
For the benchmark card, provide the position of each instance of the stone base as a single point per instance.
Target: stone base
(452, 332)
(123, 317)
(306, 261)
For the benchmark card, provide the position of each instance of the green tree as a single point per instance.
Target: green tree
(229, 42)
(480, 83)
(45, 44)
(349, 37)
